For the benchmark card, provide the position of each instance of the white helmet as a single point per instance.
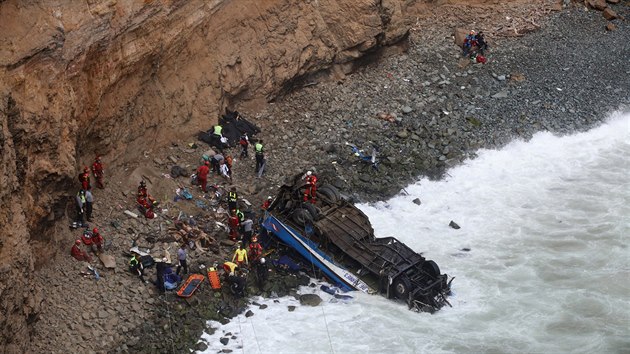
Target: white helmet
(308, 173)
(262, 260)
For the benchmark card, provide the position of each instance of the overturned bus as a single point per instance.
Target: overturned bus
(337, 239)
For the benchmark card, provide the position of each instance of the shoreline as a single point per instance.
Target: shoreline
(411, 146)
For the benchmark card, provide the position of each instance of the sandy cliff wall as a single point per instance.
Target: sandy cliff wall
(116, 77)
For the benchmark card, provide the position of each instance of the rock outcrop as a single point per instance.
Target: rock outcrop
(120, 78)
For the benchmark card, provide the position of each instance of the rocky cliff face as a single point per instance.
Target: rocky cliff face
(116, 78)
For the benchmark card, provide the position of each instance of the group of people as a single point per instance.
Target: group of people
(84, 205)
(475, 46)
(146, 202)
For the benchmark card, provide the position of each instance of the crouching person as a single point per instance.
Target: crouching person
(238, 283)
(78, 253)
(136, 267)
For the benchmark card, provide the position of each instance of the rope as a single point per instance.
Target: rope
(255, 335)
(170, 324)
(241, 329)
(322, 307)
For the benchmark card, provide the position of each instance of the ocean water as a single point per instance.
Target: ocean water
(547, 223)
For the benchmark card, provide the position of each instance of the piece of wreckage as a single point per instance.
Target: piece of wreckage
(337, 238)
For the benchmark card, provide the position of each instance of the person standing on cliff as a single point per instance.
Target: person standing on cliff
(181, 256)
(215, 162)
(80, 203)
(136, 267)
(232, 199)
(233, 224)
(244, 142)
(225, 171)
(311, 187)
(260, 154)
(84, 178)
(89, 201)
(98, 172)
(202, 175)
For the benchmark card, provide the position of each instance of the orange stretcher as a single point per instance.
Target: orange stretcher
(213, 278)
(190, 285)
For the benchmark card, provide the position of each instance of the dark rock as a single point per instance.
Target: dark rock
(454, 225)
(417, 201)
(249, 313)
(224, 340)
(291, 308)
(310, 299)
(609, 14)
(263, 306)
(466, 249)
(201, 346)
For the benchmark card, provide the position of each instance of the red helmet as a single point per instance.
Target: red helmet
(78, 242)
(98, 158)
(207, 163)
(95, 231)
(86, 169)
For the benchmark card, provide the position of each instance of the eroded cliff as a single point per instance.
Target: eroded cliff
(119, 77)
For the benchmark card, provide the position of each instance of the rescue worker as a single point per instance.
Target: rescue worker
(136, 267)
(267, 203)
(238, 283)
(230, 268)
(97, 241)
(469, 42)
(247, 229)
(215, 162)
(262, 272)
(311, 187)
(181, 256)
(145, 207)
(89, 201)
(240, 255)
(160, 269)
(98, 172)
(232, 199)
(143, 193)
(244, 142)
(225, 172)
(142, 189)
(202, 175)
(481, 42)
(233, 223)
(255, 250)
(218, 131)
(78, 253)
(260, 154)
(80, 202)
(84, 178)
(228, 162)
(240, 215)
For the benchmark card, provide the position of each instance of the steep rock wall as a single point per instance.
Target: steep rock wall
(116, 77)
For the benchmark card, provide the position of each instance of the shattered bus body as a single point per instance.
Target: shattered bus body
(337, 238)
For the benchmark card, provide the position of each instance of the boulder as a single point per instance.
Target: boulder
(612, 1)
(310, 299)
(417, 201)
(610, 27)
(460, 35)
(598, 5)
(454, 225)
(609, 14)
